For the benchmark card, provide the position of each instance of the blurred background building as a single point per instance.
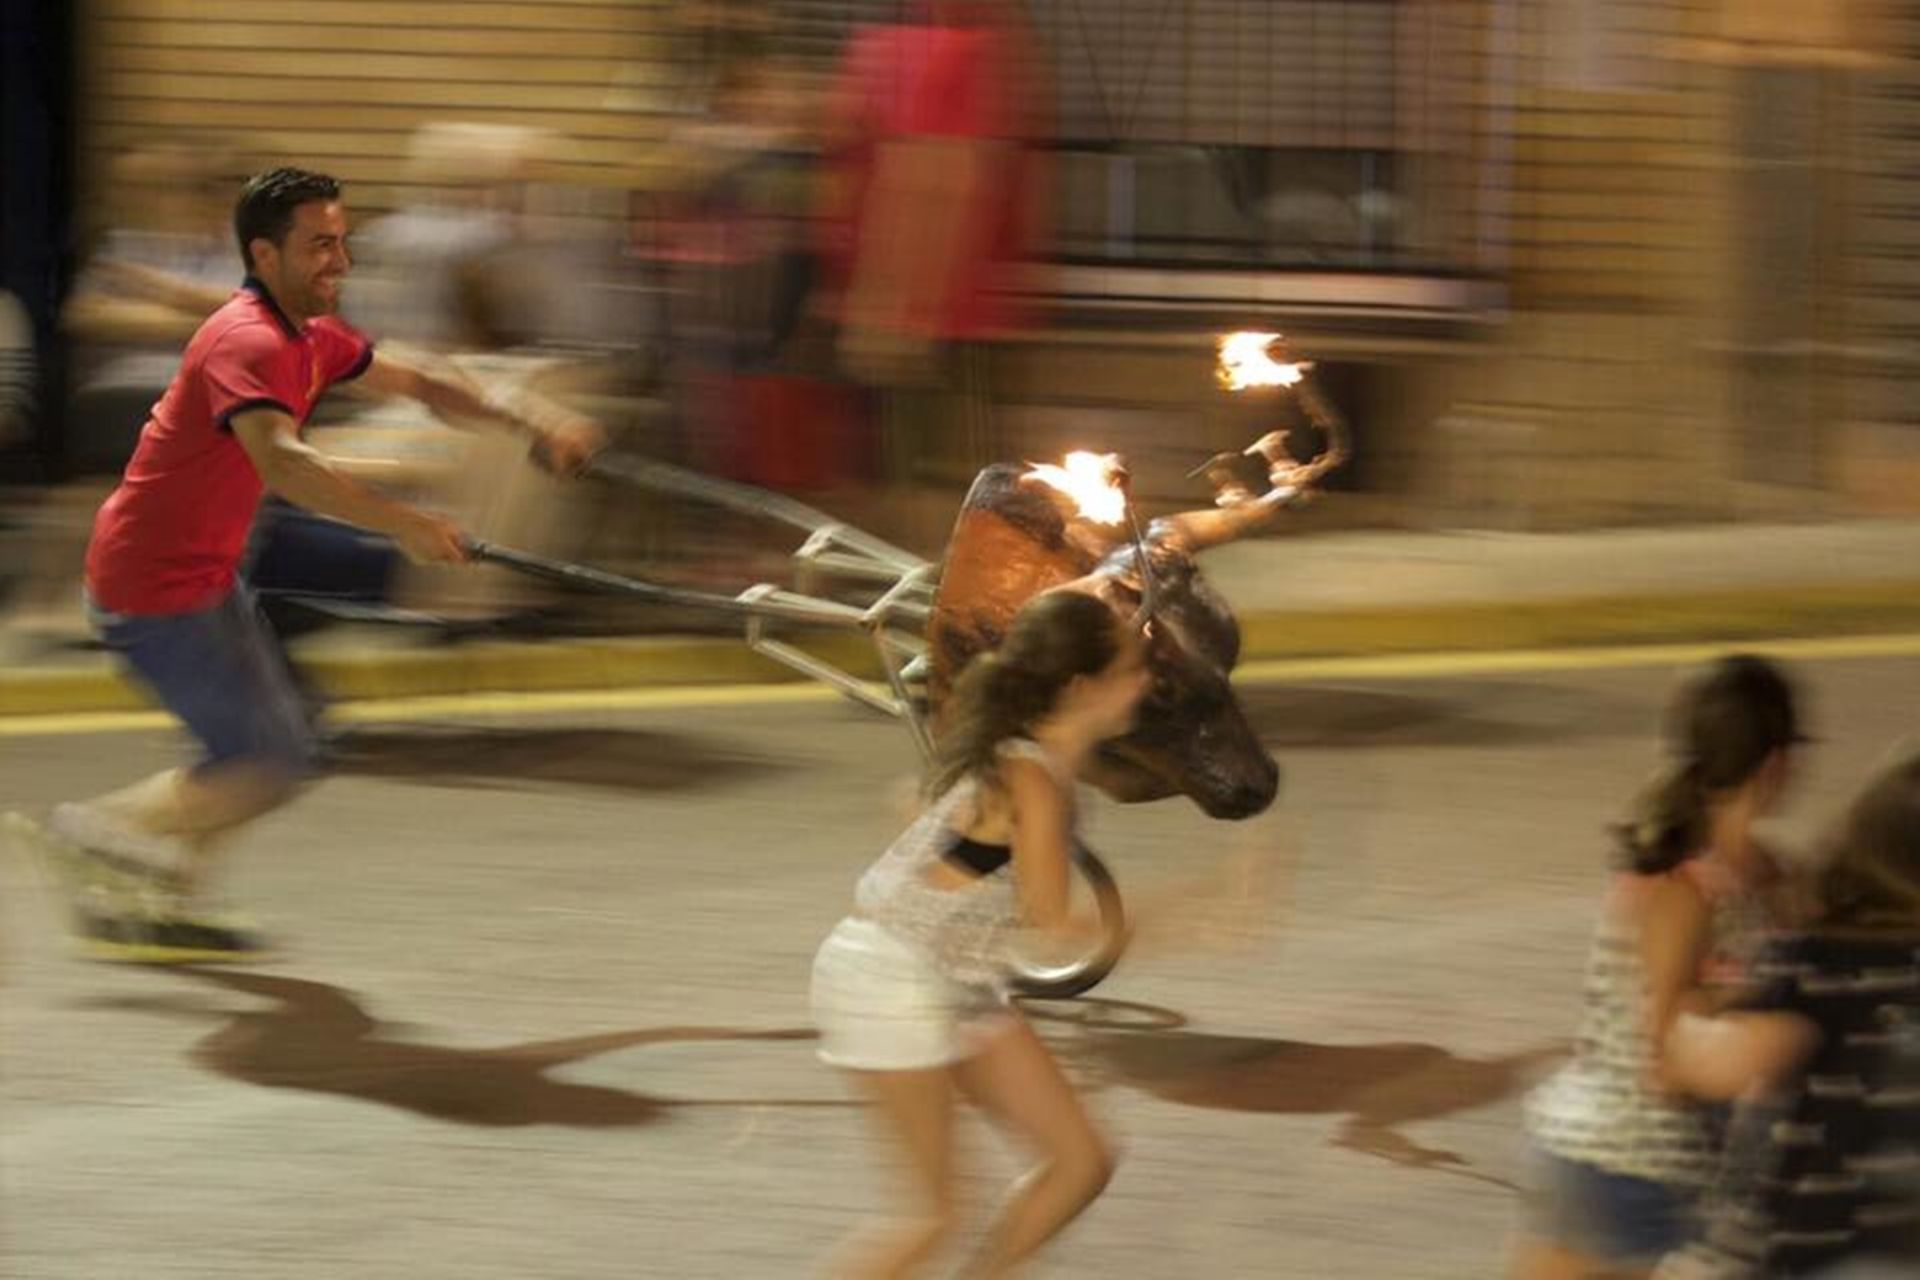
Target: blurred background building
(1564, 262)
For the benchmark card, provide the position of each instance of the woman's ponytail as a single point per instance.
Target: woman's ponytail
(1668, 821)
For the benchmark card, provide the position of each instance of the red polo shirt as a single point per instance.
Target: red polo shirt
(170, 537)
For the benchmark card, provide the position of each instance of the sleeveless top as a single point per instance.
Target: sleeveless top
(1600, 1108)
(963, 929)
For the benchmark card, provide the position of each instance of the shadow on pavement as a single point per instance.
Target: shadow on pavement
(1376, 1088)
(1483, 715)
(317, 1039)
(615, 759)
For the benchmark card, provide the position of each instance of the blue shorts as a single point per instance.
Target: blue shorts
(222, 672)
(1614, 1218)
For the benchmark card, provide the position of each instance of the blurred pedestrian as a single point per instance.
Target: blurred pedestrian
(162, 567)
(429, 269)
(432, 283)
(1825, 1181)
(756, 404)
(910, 991)
(154, 276)
(934, 216)
(1623, 1134)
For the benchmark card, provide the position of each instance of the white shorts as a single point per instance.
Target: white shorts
(881, 1005)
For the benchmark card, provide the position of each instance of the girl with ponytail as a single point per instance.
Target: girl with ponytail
(1624, 1136)
(910, 991)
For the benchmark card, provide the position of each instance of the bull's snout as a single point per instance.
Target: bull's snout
(1244, 797)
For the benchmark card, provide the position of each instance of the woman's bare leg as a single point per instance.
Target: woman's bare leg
(1016, 1079)
(915, 1110)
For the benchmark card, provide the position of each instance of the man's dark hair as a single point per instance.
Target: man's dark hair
(265, 208)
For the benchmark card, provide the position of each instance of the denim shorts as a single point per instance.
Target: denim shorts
(222, 673)
(1614, 1218)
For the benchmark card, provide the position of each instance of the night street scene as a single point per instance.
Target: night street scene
(960, 638)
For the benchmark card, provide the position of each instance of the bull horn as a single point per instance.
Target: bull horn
(1237, 512)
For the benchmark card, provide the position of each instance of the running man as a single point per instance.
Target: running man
(162, 570)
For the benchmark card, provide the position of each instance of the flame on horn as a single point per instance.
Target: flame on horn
(1246, 361)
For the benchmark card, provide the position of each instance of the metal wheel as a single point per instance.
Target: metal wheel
(1056, 977)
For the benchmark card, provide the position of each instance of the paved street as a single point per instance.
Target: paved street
(541, 1010)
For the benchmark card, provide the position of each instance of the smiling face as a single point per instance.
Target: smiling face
(305, 269)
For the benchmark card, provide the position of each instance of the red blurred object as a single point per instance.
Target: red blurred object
(800, 433)
(782, 431)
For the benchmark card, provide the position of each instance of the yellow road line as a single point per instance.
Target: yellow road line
(379, 710)
(1595, 658)
(1273, 671)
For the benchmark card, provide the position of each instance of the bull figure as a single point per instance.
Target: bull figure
(1012, 541)
(1017, 536)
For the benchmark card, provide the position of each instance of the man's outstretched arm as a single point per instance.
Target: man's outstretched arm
(564, 441)
(304, 476)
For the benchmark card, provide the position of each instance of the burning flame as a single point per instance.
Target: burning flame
(1090, 480)
(1244, 363)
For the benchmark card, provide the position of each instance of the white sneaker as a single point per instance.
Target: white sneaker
(114, 845)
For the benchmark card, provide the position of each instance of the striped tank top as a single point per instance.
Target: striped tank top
(1600, 1107)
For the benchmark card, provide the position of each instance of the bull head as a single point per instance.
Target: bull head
(1016, 538)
